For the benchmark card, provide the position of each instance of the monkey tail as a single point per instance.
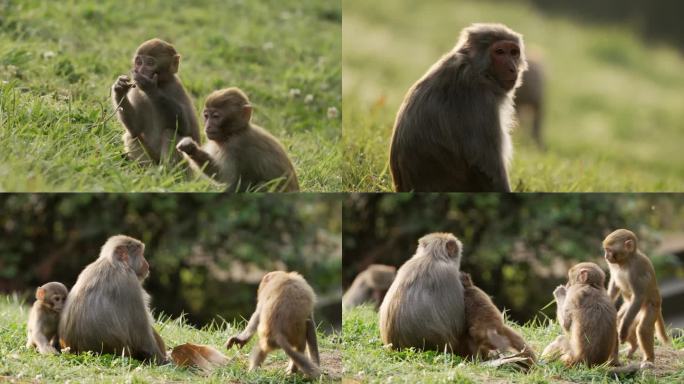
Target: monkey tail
(309, 368)
(660, 329)
(627, 369)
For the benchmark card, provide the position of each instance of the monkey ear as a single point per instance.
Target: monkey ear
(40, 293)
(629, 245)
(247, 112)
(121, 253)
(175, 63)
(583, 276)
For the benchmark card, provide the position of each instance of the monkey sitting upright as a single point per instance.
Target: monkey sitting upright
(240, 154)
(44, 317)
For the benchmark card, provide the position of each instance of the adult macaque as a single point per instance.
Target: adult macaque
(283, 318)
(155, 110)
(485, 324)
(240, 154)
(44, 317)
(587, 317)
(107, 311)
(452, 130)
(530, 96)
(369, 286)
(632, 276)
(424, 306)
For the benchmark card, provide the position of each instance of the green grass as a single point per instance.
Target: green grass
(614, 119)
(58, 61)
(367, 361)
(25, 365)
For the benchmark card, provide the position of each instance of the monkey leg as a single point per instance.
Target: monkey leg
(43, 344)
(632, 338)
(256, 357)
(554, 350)
(645, 332)
(135, 150)
(312, 341)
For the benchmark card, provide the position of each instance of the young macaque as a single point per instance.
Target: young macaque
(44, 317)
(587, 317)
(485, 324)
(369, 286)
(424, 306)
(239, 153)
(632, 276)
(107, 310)
(155, 109)
(283, 318)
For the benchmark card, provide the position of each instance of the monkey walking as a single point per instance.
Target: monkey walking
(451, 133)
(44, 317)
(632, 276)
(284, 319)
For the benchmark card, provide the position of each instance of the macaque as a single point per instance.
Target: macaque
(587, 317)
(530, 96)
(632, 276)
(107, 311)
(451, 133)
(369, 286)
(203, 357)
(239, 153)
(424, 306)
(485, 324)
(155, 110)
(44, 317)
(283, 318)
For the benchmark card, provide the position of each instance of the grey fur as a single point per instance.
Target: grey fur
(452, 130)
(424, 306)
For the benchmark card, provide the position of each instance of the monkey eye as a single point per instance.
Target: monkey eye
(499, 51)
(138, 60)
(215, 115)
(515, 52)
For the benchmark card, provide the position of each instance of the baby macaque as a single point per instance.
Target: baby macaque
(44, 317)
(239, 153)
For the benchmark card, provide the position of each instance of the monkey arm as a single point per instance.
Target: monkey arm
(613, 290)
(205, 162)
(43, 344)
(312, 341)
(630, 314)
(247, 333)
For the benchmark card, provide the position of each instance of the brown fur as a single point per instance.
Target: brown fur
(587, 317)
(632, 276)
(155, 110)
(203, 357)
(284, 319)
(424, 306)
(369, 286)
(107, 311)
(531, 96)
(239, 153)
(44, 317)
(485, 324)
(452, 130)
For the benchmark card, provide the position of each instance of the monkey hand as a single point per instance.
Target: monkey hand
(122, 85)
(187, 145)
(147, 84)
(560, 291)
(236, 340)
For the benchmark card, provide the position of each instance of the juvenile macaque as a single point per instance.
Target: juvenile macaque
(485, 326)
(369, 286)
(283, 318)
(240, 154)
(155, 109)
(203, 357)
(424, 306)
(107, 311)
(587, 317)
(44, 317)
(632, 276)
(452, 131)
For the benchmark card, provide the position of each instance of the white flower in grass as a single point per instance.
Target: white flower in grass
(295, 92)
(267, 46)
(333, 113)
(309, 98)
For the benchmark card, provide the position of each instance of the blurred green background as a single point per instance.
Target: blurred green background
(518, 247)
(614, 87)
(207, 252)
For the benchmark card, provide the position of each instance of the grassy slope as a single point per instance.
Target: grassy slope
(366, 360)
(20, 363)
(614, 120)
(58, 61)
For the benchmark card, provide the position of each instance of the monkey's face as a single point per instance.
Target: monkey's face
(146, 65)
(505, 62)
(220, 123)
(55, 301)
